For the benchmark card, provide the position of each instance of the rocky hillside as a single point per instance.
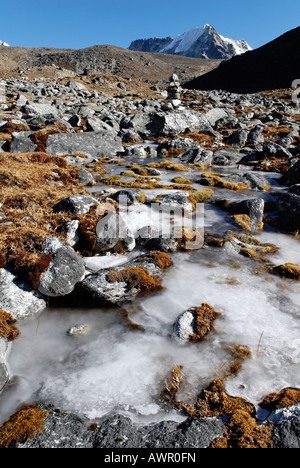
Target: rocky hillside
(273, 66)
(136, 66)
(202, 42)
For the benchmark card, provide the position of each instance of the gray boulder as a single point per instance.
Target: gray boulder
(123, 283)
(40, 109)
(78, 204)
(179, 121)
(292, 176)
(214, 116)
(176, 201)
(18, 298)
(163, 242)
(197, 155)
(22, 143)
(191, 433)
(286, 430)
(271, 149)
(168, 123)
(288, 205)
(140, 123)
(66, 269)
(62, 430)
(112, 230)
(85, 177)
(76, 86)
(67, 430)
(226, 157)
(254, 208)
(238, 138)
(256, 138)
(71, 231)
(96, 144)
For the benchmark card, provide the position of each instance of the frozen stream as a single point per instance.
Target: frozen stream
(115, 368)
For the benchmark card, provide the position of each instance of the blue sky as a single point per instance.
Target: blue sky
(83, 23)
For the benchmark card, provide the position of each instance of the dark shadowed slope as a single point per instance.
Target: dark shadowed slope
(272, 66)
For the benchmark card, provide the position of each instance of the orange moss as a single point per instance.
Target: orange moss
(7, 328)
(243, 221)
(201, 196)
(168, 165)
(283, 399)
(215, 180)
(204, 316)
(181, 180)
(243, 432)
(135, 277)
(214, 401)
(24, 424)
(239, 350)
(161, 259)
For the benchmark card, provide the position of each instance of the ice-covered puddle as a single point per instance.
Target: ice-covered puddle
(116, 368)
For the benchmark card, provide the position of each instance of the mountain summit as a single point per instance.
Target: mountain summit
(4, 44)
(200, 42)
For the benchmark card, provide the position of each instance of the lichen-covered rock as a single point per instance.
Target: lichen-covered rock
(66, 269)
(123, 283)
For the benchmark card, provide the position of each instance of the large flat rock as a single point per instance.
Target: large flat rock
(96, 144)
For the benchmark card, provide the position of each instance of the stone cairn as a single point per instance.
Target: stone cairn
(173, 90)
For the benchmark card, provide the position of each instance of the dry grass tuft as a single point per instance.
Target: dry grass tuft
(30, 185)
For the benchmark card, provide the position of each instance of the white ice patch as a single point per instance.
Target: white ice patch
(118, 369)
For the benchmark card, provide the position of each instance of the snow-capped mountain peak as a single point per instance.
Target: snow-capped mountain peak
(4, 44)
(183, 42)
(201, 42)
